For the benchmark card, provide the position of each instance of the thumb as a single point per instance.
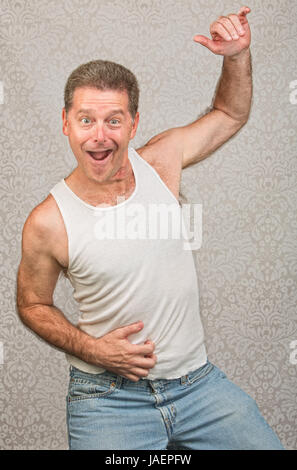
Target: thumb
(128, 330)
(204, 41)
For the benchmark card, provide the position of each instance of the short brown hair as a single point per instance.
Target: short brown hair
(103, 75)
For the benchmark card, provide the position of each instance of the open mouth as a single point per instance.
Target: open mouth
(101, 155)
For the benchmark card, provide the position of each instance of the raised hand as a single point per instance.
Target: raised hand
(230, 34)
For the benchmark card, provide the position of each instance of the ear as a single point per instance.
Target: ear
(134, 126)
(65, 122)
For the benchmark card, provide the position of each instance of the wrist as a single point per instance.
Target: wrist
(240, 57)
(88, 349)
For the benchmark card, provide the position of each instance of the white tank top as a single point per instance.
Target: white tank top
(120, 277)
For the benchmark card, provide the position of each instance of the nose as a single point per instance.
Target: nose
(99, 134)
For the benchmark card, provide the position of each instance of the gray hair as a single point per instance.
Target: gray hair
(103, 75)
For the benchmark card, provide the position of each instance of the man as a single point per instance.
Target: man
(139, 375)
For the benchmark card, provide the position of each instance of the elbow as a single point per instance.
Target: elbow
(234, 122)
(244, 118)
(20, 305)
(241, 121)
(22, 313)
(23, 310)
(28, 317)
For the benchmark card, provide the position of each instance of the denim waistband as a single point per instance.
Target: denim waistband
(108, 378)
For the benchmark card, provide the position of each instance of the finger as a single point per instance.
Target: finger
(218, 28)
(242, 14)
(132, 377)
(152, 356)
(125, 331)
(152, 344)
(229, 26)
(149, 341)
(237, 24)
(139, 372)
(135, 374)
(143, 349)
(144, 362)
(244, 11)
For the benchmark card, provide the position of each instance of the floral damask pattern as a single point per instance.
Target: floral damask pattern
(247, 265)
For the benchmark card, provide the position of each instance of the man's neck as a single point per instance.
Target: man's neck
(96, 193)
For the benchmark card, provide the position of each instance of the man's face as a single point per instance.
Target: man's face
(99, 128)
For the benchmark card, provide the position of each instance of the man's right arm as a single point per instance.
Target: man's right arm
(37, 277)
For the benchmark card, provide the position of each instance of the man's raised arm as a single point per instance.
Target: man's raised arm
(231, 38)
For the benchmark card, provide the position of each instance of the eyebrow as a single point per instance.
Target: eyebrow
(91, 111)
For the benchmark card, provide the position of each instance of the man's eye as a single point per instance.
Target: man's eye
(85, 120)
(114, 122)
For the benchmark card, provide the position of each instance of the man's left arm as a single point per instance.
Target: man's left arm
(231, 105)
(232, 102)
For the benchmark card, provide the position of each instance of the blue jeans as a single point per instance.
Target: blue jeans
(201, 410)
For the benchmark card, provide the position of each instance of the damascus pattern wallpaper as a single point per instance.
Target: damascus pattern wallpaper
(247, 264)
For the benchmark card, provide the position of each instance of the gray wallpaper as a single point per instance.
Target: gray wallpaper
(247, 264)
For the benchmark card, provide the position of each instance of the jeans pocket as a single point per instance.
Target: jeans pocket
(81, 389)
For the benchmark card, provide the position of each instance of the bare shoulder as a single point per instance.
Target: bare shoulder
(41, 261)
(44, 230)
(163, 153)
